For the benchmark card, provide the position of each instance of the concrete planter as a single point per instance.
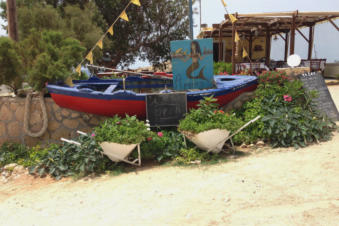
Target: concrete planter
(117, 152)
(210, 140)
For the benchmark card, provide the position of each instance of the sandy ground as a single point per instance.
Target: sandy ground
(267, 187)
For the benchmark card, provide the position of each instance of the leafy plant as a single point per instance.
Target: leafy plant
(72, 160)
(207, 117)
(189, 155)
(222, 68)
(289, 118)
(128, 130)
(162, 146)
(12, 153)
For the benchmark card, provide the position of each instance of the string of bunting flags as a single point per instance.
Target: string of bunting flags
(233, 20)
(123, 15)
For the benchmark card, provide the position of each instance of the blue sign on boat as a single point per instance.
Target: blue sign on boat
(192, 64)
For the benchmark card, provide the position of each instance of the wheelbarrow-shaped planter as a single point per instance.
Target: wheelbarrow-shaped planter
(213, 140)
(114, 151)
(119, 152)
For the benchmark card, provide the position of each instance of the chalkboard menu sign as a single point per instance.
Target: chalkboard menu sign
(166, 109)
(324, 101)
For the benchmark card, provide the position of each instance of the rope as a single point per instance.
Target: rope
(27, 116)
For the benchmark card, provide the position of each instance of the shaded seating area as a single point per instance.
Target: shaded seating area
(253, 34)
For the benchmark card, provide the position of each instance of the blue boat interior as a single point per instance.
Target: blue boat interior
(134, 84)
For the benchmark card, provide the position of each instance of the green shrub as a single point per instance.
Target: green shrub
(72, 160)
(289, 118)
(12, 153)
(188, 155)
(35, 155)
(10, 64)
(163, 146)
(128, 130)
(222, 67)
(207, 117)
(49, 57)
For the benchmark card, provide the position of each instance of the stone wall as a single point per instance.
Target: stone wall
(61, 122)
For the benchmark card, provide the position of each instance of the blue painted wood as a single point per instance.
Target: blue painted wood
(192, 64)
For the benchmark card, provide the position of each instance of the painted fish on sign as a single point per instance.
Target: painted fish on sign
(192, 63)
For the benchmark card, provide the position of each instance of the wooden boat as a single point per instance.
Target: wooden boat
(109, 97)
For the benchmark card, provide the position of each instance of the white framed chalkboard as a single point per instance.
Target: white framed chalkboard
(324, 101)
(166, 109)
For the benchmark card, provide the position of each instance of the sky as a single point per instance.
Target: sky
(326, 37)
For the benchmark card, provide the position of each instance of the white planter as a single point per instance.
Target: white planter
(210, 140)
(117, 152)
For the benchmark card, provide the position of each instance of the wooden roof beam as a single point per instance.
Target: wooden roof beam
(302, 35)
(331, 21)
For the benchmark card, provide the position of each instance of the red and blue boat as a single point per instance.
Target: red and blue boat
(109, 97)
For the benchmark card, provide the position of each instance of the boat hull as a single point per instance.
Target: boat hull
(127, 102)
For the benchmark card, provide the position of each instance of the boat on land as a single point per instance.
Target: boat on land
(109, 97)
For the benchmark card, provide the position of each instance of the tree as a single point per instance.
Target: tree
(10, 64)
(69, 19)
(147, 36)
(149, 32)
(48, 56)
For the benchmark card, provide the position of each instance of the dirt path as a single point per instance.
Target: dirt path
(269, 187)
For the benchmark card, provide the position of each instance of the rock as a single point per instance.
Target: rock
(10, 167)
(5, 113)
(56, 107)
(35, 118)
(243, 145)
(238, 101)
(19, 113)
(94, 121)
(72, 124)
(75, 115)
(53, 125)
(19, 170)
(86, 117)
(65, 113)
(58, 116)
(14, 129)
(260, 143)
(2, 129)
(251, 145)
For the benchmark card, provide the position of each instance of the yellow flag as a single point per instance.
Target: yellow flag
(237, 39)
(244, 53)
(69, 81)
(89, 57)
(224, 3)
(136, 2)
(232, 18)
(110, 30)
(78, 69)
(99, 44)
(124, 16)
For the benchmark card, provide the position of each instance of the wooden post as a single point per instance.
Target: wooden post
(250, 44)
(286, 46)
(12, 20)
(233, 48)
(310, 42)
(292, 35)
(220, 46)
(268, 46)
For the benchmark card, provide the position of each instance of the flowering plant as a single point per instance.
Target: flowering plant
(128, 130)
(274, 77)
(208, 117)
